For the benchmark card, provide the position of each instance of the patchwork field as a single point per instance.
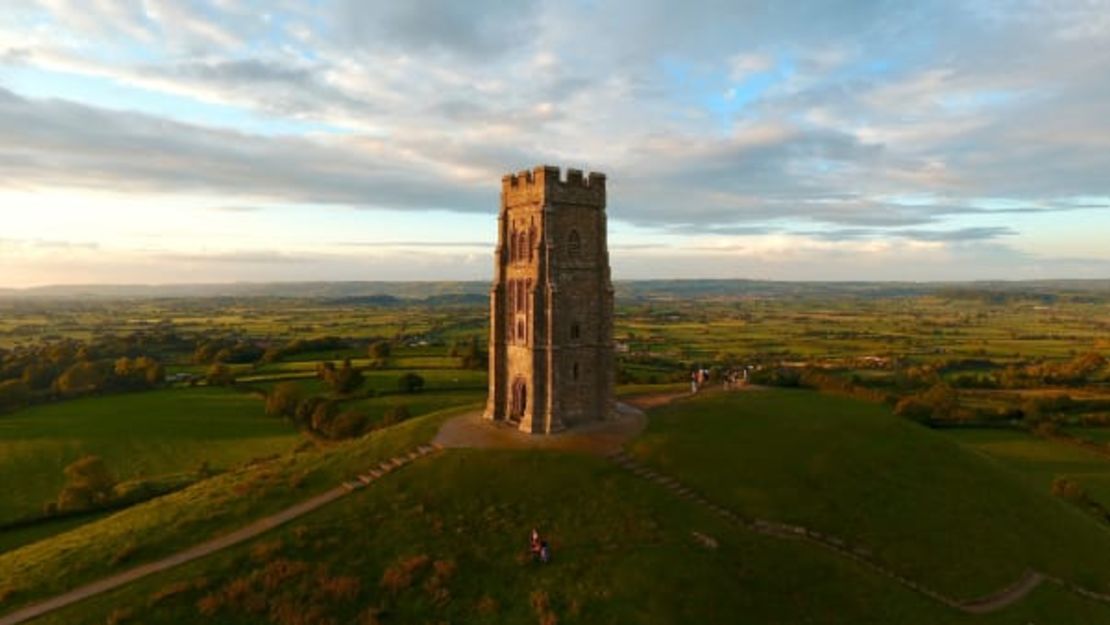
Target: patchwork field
(136, 434)
(965, 509)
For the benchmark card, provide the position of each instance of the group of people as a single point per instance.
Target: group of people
(541, 552)
(736, 378)
(698, 378)
(732, 378)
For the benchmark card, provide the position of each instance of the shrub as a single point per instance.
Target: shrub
(343, 379)
(13, 394)
(120, 615)
(410, 383)
(283, 399)
(348, 424)
(401, 573)
(210, 604)
(88, 484)
(172, 590)
(220, 374)
(395, 414)
(380, 350)
(340, 588)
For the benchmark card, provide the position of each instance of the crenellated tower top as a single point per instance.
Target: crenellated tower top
(545, 185)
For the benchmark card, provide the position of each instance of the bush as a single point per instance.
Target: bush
(913, 408)
(786, 377)
(220, 375)
(410, 383)
(343, 379)
(348, 424)
(395, 414)
(402, 572)
(380, 350)
(13, 394)
(88, 484)
(283, 400)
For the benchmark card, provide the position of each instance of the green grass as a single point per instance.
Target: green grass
(624, 552)
(137, 434)
(416, 403)
(1040, 461)
(921, 502)
(207, 509)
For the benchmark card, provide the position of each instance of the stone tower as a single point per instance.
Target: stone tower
(551, 305)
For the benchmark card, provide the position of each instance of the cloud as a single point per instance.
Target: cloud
(237, 258)
(58, 143)
(937, 123)
(417, 244)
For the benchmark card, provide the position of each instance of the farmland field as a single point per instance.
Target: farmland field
(137, 435)
(1008, 397)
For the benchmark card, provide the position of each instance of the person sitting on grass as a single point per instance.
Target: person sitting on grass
(536, 544)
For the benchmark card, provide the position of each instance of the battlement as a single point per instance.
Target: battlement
(546, 182)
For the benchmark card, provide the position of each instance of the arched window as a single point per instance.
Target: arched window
(574, 244)
(531, 243)
(520, 331)
(575, 331)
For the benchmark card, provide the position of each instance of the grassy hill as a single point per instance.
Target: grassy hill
(445, 539)
(213, 507)
(138, 435)
(928, 507)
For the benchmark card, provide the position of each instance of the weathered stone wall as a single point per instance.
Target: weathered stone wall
(551, 303)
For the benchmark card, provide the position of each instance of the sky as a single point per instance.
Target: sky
(185, 141)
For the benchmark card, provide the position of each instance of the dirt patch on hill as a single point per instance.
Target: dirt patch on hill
(603, 437)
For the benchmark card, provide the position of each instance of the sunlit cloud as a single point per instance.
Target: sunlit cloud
(345, 139)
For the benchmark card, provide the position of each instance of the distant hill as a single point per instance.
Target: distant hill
(387, 293)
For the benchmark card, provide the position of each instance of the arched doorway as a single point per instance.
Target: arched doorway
(519, 400)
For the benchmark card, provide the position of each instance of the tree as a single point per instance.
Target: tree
(322, 416)
(82, 377)
(347, 424)
(305, 409)
(88, 484)
(395, 414)
(912, 407)
(153, 371)
(381, 349)
(39, 376)
(283, 400)
(13, 394)
(220, 374)
(472, 356)
(343, 379)
(942, 399)
(410, 383)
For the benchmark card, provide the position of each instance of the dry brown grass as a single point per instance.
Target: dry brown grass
(401, 573)
(541, 603)
(120, 615)
(267, 550)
